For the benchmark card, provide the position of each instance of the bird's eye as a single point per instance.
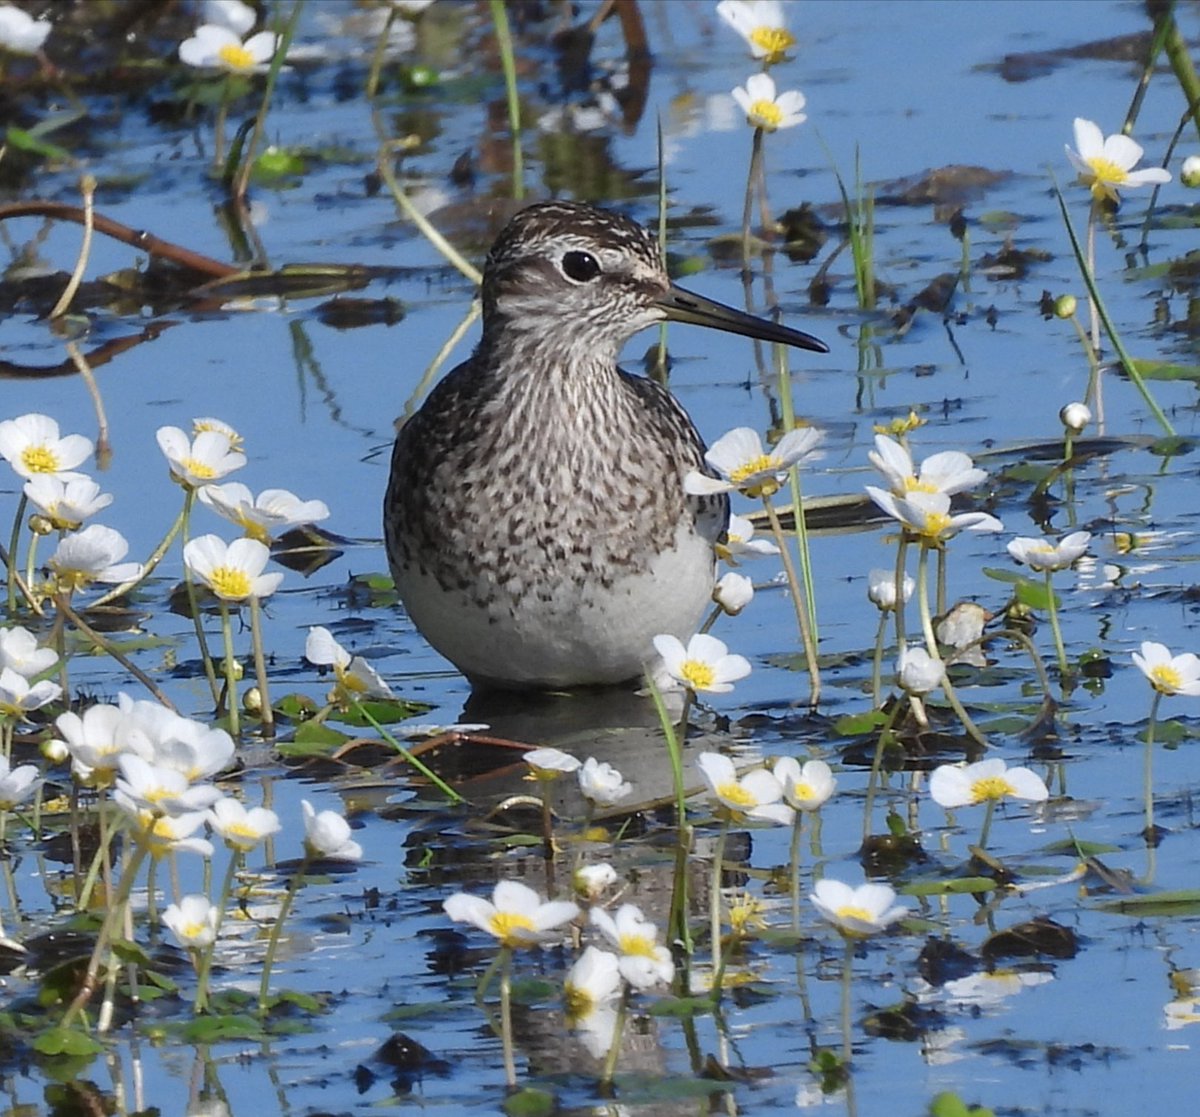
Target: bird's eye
(580, 266)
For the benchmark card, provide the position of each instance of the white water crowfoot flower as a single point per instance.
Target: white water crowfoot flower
(548, 764)
(740, 542)
(857, 912)
(601, 783)
(928, 516)
(193, 921)
(761, 24)
(19, 650)
(63, 503)
(742, 463)
(1166, 673)
(733, 592)
(516, 915)
(590, 992)
(239, 828)
(196, 462)
(235, 15)
(18, 698)
(356, 678)
(327, 836)
(953, 786)
(1075, 417)
(17, 784)
(643, 961)
(1105, 164)
(233, 572)
(804, 788)
(705, 666)
(918, 672)
(881, 589)
(92, 555)
(949, 471)
(214, 47)
(757, 795)
(32, 446)
(96, 739)
(20, 33)
(766, 109)
(273, 511)
(146, 790)
(1042, 555)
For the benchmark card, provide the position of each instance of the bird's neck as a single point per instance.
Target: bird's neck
(547, 351)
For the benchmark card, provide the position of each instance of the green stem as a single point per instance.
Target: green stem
(794, 856)
(1148, 770)
(847, 971)
(266, 714)
(877, 662)
(506, 1036)
(986, 829)
(1052, 613)
(204, 966)
(380, 49)
(885, 734)
(714, 913)
(232, 704)
(806, 636)
(614, 1048)
(14, 542)
(747, 208)
(504, 44)
(415, 761)
(264, 985)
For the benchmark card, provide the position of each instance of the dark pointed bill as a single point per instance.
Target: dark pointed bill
(684, 306)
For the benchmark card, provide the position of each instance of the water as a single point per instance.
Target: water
(909, 88)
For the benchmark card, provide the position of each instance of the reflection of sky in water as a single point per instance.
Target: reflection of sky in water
(909, 85)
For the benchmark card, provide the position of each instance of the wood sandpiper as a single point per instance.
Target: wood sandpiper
(535, 517)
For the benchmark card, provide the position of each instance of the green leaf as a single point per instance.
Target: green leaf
(530, 1102)
(312, 738)
(1035, 595)
(66, 1041)
(859, 725)
(953, 886)
(386, 711)
(1181, 901)
(211, 1029)
(684, 1007)
(24, 140)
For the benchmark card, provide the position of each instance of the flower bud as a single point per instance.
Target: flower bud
(1064, 306)
(733, 593)
(1075, 416)
(1189, 173)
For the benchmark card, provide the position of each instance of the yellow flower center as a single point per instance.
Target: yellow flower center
(935, 524)
(697, 674)
(913, 484)
(851, 912)
(802, 792)
(579, 1003)
(40, 459)
(1165, 678)
(991, 787)
(734, 793)
(641, 946)
(199, 469)
(764, 463)
(191, 930)
(236, 57)
(235, 439)
(230, 583)
(1107, 173)
(240, 830)
(254, 530)
(507, 924)
(766, 113)
(774, 40)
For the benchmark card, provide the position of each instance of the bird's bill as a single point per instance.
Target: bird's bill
(679, 305)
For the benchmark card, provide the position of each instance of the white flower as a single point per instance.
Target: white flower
(757, 794)
(242, 829)
(196, 462)
(761, 24)
(549, 764)
(1075, 416)
(327, 835)
(97, 738)
(1169, 674)
(590, 992)
(918, 671)
(218, 48)
(272, 512)
(740, 542)
(857, 912)
(65, 501)
(1041, 554)
(145, 790)
(1105, 165)
(20, 33)
(356, 678)
(92, 555)
(992, 780)
(171, 833)
(32, 446)
(516, 915)
(881, 589)
(804, 788)
(643, 961)
(766, 110)
(927, 515)
(233, 572)
(591, 881)
(193, 922)
(19, 650)
(602, 783)
(207, 423)
(1189, 173)
(704, 666)
(733, 592)
(742, 463)
(949, 471)
(18, 698)
(193, 748)
(17, 784)
(235, 15)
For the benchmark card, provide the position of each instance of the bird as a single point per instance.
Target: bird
(535, 518)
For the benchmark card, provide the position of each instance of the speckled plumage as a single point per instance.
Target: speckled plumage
(535, 517)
